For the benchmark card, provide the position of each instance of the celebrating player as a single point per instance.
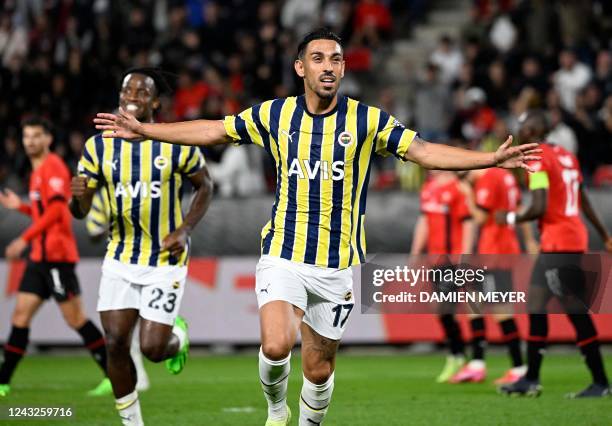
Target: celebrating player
(322, 144)
(444, 227)
(53, 255)
(145, 267)
(558, 196)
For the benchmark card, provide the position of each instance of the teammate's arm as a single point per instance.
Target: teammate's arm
(534, 211)
(443, 157)
(175, 241)
(197, 132)
(531, 244)
(419, 238)
(591, 214)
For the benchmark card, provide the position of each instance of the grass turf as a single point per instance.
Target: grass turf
(370, 390)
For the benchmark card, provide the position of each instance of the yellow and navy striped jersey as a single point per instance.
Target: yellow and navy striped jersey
(144, 181)
(323, 168)
(98, 218)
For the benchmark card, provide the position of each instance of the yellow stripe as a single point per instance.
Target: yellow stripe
(252, 127)
(229, 122)
(303, 188)
(405, 142)
(279, 221)
(349, 154)
(146, 203)
(108, 176)
(127, 200)
(125, 404)
(178, 212)
(164, 202)
(327, 157)
(264, 114)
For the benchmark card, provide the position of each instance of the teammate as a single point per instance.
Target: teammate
(445, 227)
(558, 196)
(97, 224)
(145, 268)
(53, 254)
(322, 144)
(494, 190)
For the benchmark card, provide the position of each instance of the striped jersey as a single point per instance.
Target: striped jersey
(98, 218)
(323, 167)
(144, 184)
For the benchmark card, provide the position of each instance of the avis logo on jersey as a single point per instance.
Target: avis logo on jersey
(138, 189)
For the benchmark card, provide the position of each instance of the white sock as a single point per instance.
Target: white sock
(478, 364)
(274, 377)
(142, 382)
(129, 410)
(181, 335)
(314, 401)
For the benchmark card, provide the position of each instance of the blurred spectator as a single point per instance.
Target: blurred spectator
(240, 171)
(561, 134)
(189, 96)
(448, 59)
(432, 106)
(571, 77)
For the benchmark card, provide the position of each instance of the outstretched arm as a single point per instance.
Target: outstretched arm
(591, 214)
(197, 132)
(443, 157)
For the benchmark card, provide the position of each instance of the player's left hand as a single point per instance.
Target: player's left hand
(175, 242)
(513, 157)
(15, 249)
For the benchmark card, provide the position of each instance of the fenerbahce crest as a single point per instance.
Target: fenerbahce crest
(160, 162)
(345, 139)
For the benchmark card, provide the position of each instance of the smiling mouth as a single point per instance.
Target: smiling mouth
(327, 80)
(131, 107)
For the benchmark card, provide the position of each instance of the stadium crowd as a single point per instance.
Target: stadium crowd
(64, 59)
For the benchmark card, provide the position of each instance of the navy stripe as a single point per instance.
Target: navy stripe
(362, 134)
(265, 136)
(382, 121)
(116, 173)
(242, 131)
(135, 211)
(87, 156)
(362, 205)
(394, 140)
(275, 111)
(155, 208)
(90, 174)
(99, 144)
(95, 222)
(176, 152)
(290, 214)
(335, 228)
(314, 193)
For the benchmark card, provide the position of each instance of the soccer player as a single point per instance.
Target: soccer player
(494, 190)
(558, 196)
(444, 227)
(97, 224)
(145, 268)
(53, 254)
(322, 144)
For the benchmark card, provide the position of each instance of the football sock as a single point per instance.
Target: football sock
(586, 339)
(128, 407)
(274, 377)
(314, 401)
(536, 344)
(142, 378)
(94, 341)
(452, 333)
(14, 350)
(511, 338)
(477, 325)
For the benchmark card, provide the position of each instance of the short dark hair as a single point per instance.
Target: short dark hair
(318, 34)
(37, 121)
(157, 74)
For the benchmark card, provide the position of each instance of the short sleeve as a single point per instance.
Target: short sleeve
(250, 126)
(192, 160)
(57, 182)
(485, 195)
(89, 164)
(392, 137)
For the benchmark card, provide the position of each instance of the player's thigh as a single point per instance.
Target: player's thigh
(72, 311)
(63, 281)
(279, 322)
(118, 326)
(318, 355)
(26, 306)
(160, 302)
(35, 280)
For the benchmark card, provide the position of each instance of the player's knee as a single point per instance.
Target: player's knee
(276, 350)
(318, 374)
(153, 352)
(116, 344)
(75, 321)
(21, 318)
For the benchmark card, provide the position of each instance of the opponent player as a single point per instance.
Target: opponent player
(558, 196)
(445, 227)
(53, 255)
(322, 144)
(145, 268)
(97, 224)
(494, 190)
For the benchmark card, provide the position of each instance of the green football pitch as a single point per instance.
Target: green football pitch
(385, 389)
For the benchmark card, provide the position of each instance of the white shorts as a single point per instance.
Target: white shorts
(324, 294)
(156, 292)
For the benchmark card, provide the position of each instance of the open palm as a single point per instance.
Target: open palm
(513, 157)
(122, 125)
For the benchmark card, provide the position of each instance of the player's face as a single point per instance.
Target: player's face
(322, 68)
(36, 141)
(138, 96)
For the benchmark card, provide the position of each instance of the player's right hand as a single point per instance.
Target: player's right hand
(9, 200)
(122, 125)
(78, 186)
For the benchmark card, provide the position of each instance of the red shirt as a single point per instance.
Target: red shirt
(561, 228)
(51, 234)
(497, 190)
(445, 209)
